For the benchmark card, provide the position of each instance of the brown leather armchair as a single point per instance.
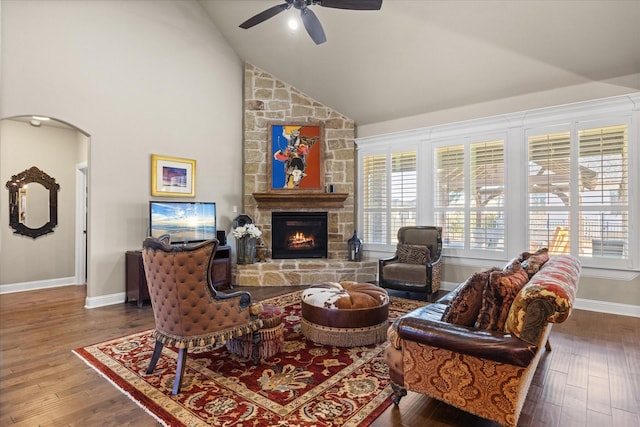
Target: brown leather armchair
(417, 263)
(188, 311)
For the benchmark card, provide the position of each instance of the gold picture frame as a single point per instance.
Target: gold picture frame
(173, 176)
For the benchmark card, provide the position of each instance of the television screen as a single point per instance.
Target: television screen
(185, 222)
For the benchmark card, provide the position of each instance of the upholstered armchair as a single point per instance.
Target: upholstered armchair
(417, 263)
(188, 310)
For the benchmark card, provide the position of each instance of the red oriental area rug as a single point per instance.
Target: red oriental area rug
(305, 385)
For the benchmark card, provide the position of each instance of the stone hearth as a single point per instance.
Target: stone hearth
(302, 272)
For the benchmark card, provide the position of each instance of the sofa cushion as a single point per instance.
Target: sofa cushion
(498, 295)
(413, 254)
(465, 306)
(406, 273)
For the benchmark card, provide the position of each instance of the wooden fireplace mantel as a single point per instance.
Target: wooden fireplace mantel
(300, 199)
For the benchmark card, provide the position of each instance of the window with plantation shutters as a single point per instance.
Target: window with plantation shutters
(403, 184)
(549, 191)
(449, 204)
(469, 195)
(486, 196)
(374, 199)
(578, 192)
(566, 178)
(389, 191)
(603, 222)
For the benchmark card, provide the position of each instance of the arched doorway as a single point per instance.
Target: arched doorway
(61, 150)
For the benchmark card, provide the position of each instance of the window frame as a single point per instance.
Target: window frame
(407, 145)
(467, 141)
(516, 127)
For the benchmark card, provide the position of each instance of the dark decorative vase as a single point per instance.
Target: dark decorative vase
(246, 250)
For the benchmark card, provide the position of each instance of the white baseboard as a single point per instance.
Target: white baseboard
(607, 307)
(585, 304)
(90, 302)
(104, 300)
(38, 284)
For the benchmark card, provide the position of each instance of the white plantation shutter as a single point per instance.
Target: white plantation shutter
(470, 196)
(603, 192)
(449, 204)
(403, 191)
(486, 191)
(548, 189)
(581, 199)
(389, 192)
(374, 199)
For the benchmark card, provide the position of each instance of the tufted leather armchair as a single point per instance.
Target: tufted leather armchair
(188, 310)
(409, 271)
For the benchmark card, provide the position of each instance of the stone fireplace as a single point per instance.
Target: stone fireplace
(269, 100)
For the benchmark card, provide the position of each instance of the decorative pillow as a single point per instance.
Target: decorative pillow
(509, 265)
(502, 288)
(413, 254)
(465, 306)
(531, 263)
(525, 255)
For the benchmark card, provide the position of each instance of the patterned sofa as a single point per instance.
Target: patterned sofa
(478, 347)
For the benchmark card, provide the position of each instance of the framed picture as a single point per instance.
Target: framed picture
(295, 157)
(172, 176)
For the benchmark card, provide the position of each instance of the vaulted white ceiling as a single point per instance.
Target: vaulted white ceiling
(419, 56)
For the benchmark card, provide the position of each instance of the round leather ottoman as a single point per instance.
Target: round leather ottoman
(271, 336)
(346, 314)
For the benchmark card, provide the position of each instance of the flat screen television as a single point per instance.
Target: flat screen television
(185, 222)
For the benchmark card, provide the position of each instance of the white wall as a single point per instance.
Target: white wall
(54, 151)
(566, 95)
(140, 78)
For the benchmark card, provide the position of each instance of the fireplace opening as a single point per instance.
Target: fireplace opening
(299, 235)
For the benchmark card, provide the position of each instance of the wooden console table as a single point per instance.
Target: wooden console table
(136, 282)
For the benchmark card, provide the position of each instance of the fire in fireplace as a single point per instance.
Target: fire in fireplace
(299, 235)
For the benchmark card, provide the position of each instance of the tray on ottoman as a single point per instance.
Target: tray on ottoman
(345, 314)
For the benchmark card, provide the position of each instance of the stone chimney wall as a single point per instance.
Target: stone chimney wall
(269, 100)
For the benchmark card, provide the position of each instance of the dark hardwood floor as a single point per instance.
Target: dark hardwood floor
(590, 378)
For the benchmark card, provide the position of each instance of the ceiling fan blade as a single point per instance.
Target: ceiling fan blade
(264, 15)
(351, 4)
(313, 26)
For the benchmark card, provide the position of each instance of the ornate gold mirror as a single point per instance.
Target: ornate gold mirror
(33, 203)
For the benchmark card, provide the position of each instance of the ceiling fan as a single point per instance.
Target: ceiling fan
(309, 19)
